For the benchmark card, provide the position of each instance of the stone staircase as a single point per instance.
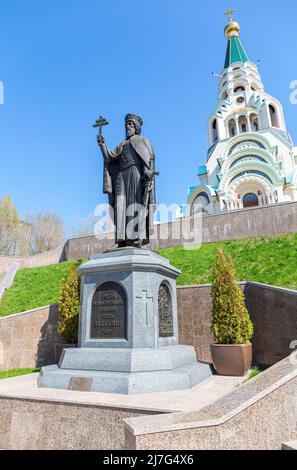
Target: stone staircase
(2, 276)
(6, 279)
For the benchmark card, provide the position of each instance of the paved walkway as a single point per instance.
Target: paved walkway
(203, 394)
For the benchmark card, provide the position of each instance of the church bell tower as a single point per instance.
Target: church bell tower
(251, 160)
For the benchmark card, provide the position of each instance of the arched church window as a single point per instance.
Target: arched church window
(273, 116)
(214, 131)
(200, 204)
(225, 95)
(250, 200)
(239, 89)
(232, 128)
(254, 122)
(243, 124)
(240, 100)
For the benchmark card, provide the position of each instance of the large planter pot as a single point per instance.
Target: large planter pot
(231, 359)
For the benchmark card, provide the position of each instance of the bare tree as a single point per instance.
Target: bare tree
(47, 232)
(13, 232)
(85, 226)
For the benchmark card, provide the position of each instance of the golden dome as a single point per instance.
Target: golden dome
(232, 29)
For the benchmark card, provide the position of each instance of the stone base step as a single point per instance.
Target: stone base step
(122, 382)
(128, 359)
(118, 370)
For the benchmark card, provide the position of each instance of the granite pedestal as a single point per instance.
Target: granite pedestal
(128, 330)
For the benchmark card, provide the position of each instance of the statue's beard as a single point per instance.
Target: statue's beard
(129, 133)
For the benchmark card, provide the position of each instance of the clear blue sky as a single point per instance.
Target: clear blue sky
(64, 62)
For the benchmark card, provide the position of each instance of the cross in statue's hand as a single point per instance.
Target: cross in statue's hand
(100, 123)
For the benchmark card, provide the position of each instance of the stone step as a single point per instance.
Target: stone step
(127, 360)
(6, 279)
(292, 445)
(181, 378)
(2, 288)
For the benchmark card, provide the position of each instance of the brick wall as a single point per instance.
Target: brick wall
(28, 339)
(245, 223)
(42, 259)
(273, 312)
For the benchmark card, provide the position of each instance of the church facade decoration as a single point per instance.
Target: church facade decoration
(251, 159)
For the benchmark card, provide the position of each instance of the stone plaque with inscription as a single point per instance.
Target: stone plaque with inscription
(108, 316)
(165, 312)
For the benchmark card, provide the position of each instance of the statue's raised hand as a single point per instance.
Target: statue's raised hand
(100, 139)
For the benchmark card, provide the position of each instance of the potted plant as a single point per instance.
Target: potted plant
(231, 324)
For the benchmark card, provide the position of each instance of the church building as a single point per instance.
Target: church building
(251, 160)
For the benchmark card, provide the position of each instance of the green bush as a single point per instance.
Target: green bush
(231, 322)
(69, 305)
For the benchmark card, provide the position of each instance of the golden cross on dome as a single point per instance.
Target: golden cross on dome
(230, 13)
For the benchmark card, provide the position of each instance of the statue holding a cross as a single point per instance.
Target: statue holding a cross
(129, 181)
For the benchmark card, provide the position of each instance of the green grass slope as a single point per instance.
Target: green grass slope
(270, 260)
(34, 287)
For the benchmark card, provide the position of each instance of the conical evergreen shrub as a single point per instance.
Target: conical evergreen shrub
(69, 305)
(231, 321)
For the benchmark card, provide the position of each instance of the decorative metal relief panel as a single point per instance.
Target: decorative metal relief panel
(165, 312)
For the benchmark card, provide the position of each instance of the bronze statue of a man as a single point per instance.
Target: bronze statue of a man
(129, 181)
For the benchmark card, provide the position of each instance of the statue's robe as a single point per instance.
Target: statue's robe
(127, 186)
